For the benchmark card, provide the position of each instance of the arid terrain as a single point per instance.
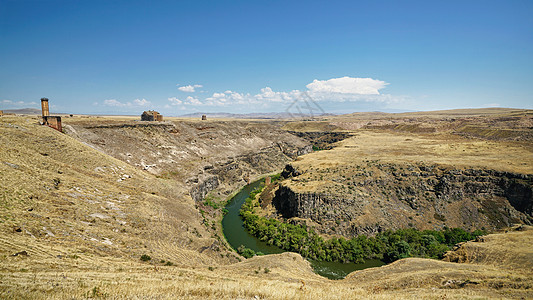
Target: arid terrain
(379, 179)
(79, 209)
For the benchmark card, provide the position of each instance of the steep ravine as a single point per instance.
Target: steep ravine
(388, 196)
(221, 177)
(206, 160)
(205, 157)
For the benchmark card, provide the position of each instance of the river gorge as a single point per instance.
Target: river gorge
(237, 235)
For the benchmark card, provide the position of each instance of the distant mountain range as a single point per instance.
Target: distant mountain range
(285, 115)
(23, 111)
(272, 115)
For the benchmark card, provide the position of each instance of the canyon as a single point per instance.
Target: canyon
(80, 208)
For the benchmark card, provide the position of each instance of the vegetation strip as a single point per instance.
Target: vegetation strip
(389, 245)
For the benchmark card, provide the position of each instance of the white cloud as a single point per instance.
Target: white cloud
(220, 95)
(347, 85)
(335, 90)
(141, 102)
(188, 101)
(175, 101)
(17, 104)
(344, 89)
(136, 102)
(113, 102)
(189, 88)
(338, 97)
(227, 98)
(268, 95)
(192, 101)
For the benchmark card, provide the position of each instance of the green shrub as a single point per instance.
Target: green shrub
(145, 257)
(246, 252)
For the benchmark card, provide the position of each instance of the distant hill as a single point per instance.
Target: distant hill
(31, 111)
(271, 115)
(23, 111)
(466, 112)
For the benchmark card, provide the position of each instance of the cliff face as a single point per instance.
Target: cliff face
(383, 196)
(208, 156)
(223, 175)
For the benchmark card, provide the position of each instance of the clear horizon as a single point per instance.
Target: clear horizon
(181, 57)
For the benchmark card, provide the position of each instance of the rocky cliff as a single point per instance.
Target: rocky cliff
(205, 156)
(380, 196)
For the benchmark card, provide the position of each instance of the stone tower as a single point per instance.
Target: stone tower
(48, 120)
(44, 106)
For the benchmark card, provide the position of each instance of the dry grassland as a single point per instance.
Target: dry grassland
(287, 276)
(57, 191)
(75, 221)
(452, 151)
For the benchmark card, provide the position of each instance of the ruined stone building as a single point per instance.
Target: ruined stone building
(151, 115)
(48, 120)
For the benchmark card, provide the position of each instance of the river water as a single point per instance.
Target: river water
(237, 235)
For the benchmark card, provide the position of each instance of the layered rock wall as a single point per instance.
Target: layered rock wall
(384, 196)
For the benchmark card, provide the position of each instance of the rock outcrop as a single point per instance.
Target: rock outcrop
(243, 168)
(390, 196)
(200, 190)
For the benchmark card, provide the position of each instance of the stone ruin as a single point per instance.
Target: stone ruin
(151, 115)
(204, 117)
(48, 120)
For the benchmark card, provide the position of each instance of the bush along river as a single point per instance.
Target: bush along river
(237, 236)
(250, 235)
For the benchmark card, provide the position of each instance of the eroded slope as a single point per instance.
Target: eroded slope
(204, 155)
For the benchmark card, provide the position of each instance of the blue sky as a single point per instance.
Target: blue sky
(260, 56)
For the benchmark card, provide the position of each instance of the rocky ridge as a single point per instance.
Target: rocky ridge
(379, 196)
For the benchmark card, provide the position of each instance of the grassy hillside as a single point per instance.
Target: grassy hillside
(61, 193)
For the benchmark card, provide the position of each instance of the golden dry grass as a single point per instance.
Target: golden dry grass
(288, 277)
(58, 191)
(441, 149)
(438, 114)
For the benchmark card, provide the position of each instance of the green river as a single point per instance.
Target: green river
(237, 235)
